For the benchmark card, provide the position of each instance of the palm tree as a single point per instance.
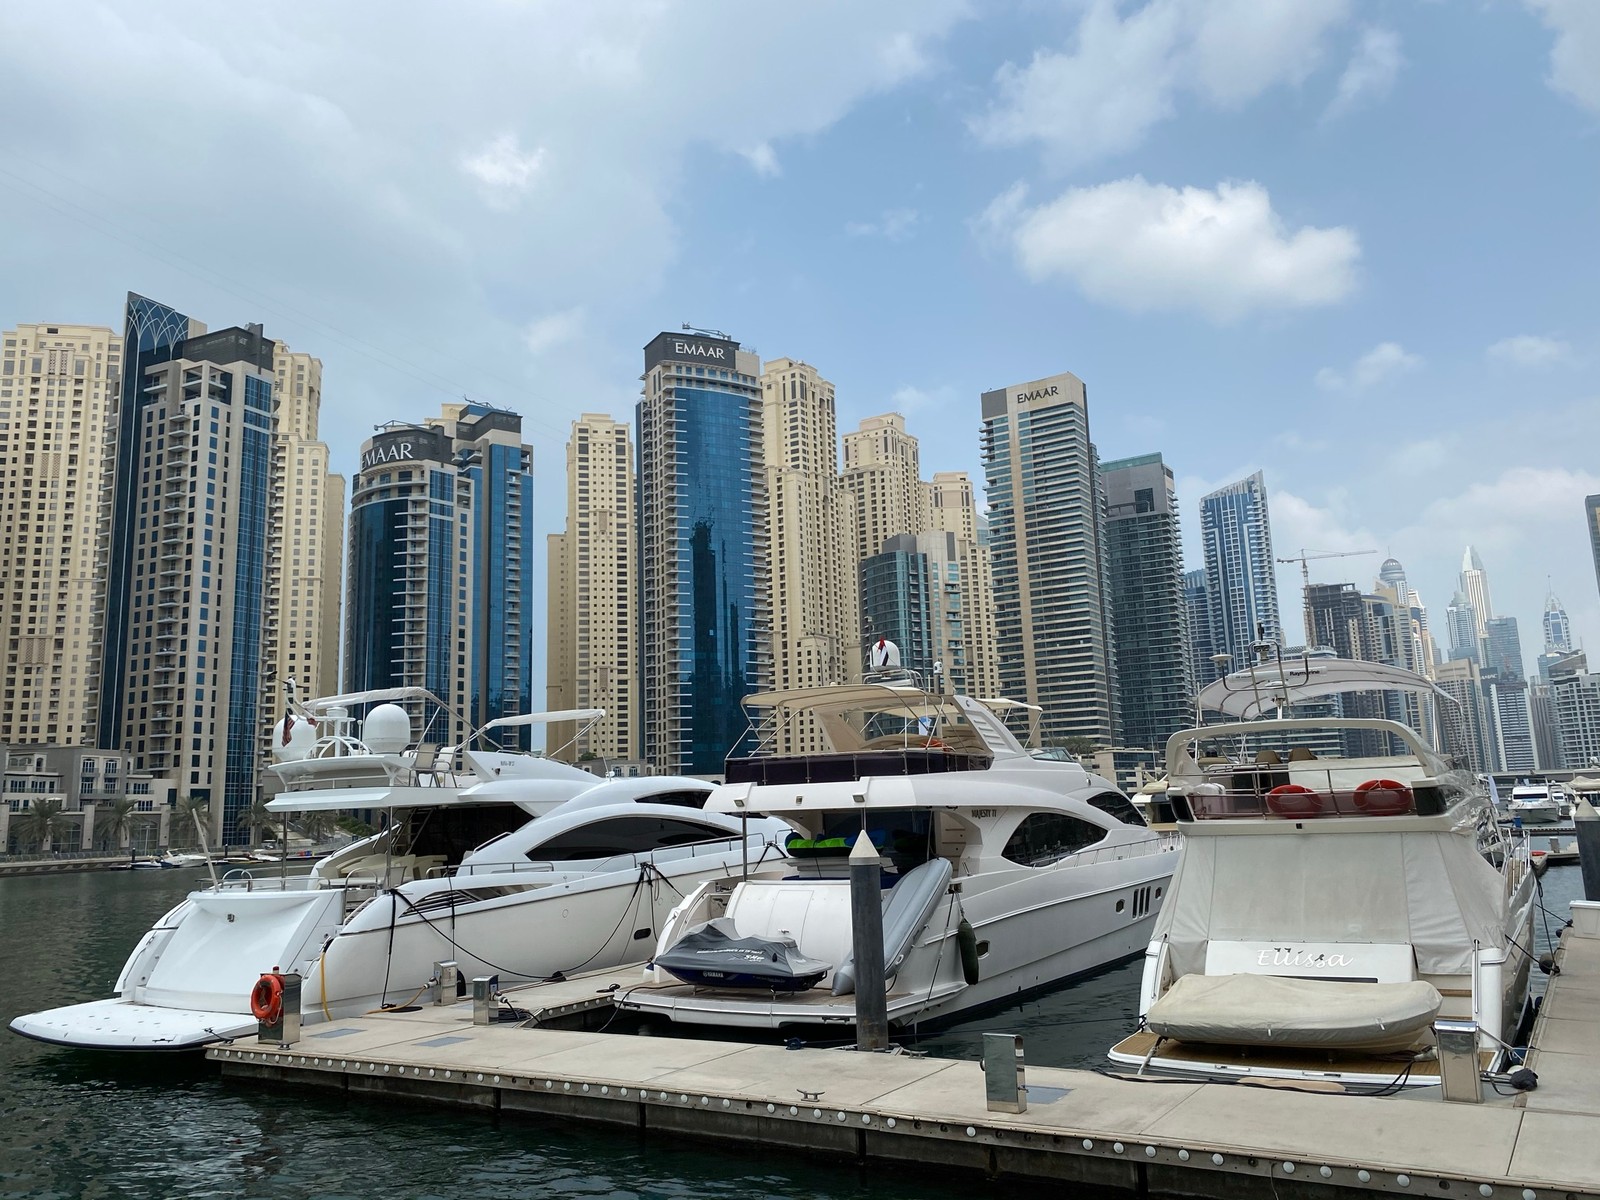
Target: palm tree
(43, 822)
(262, 820)
(141, 827)
(190, 813)
(316, 825)
(113, 822)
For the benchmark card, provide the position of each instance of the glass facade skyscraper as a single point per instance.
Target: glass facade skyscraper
(440, 586)
(1241, 576)
(1047, 531)
(704, 561)
(896, 603)
(1155, 674)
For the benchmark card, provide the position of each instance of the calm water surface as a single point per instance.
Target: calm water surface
(83, 1125)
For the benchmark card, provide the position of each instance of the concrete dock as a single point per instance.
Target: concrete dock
(1149, 1136)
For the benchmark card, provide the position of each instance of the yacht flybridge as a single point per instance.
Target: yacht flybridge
(1002, 872)
(1328, 908)
(506, 862)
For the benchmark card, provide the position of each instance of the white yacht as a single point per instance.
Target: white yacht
(1536, 803)
(1328, 909)
(420, 883)
(1003, 872)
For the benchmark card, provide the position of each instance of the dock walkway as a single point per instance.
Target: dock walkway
(1152, 1136)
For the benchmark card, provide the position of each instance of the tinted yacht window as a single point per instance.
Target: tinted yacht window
(625, 835)
(1043, 838)
(1116, 805)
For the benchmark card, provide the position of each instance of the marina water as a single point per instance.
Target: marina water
(74, 1124)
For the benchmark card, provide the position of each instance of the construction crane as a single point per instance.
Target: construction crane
(1306, 556)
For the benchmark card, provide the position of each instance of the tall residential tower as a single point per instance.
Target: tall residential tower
(1241, 576)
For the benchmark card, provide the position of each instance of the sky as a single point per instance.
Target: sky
(1350, 244)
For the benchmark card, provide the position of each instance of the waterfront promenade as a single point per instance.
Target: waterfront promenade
(1147, 1136)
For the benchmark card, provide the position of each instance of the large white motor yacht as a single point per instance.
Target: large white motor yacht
(1537, 803)
(465, 869)
(1328, 909)
(1003, 872)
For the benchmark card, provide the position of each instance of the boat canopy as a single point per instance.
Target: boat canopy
(544, 718)
(1433, 891)
(926, 718)
(377, 696)
(1258, 691)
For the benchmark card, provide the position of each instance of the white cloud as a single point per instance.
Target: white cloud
(1127, 74)
(1575, 57)
(503, 171)
(1371, 72)
(895, 225)
(1143, 246)
(555, 329)
(909, 398)
(1384, 361)
(1530, 350)
(763, 159)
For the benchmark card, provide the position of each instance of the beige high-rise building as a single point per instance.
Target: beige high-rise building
(965, 642)
(881, 468)
(58, 387)
(592, 655)
(815, 598)
(305, 568)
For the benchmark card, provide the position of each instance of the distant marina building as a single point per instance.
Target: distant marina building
(816, 626)
(882, 465)
(1241, 576)
(1392, 575)
(1557, 627)
(704, 553)
(59, 386)
(1591, 518)
(1467, 731)
(305, 577)
(1046, 525)
(1542, 722)
(198, 537)
(897, 604)
(1503, 648)
(964, 635)
(1510, 706)
(1575, 699)
(1144, 554)
(1197, 613)
(1475, 585)
(440, 582)
(1461, 622)
(592, 655)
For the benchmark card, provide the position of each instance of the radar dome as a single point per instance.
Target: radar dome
(297, 743)
(387, 729)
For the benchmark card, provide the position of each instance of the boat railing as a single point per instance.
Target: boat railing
(1275, 791)
(1116, 851)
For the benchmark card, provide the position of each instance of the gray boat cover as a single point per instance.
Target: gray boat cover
(1432, 890)
(1270, 1010)
(911, 902)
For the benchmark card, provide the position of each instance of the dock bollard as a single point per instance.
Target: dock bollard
(485, 999)
(866, 941)
(1003, 1082)
(443, 986)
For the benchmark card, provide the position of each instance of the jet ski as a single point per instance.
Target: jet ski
(714, 955)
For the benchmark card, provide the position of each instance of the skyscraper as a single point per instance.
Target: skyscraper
(1197, 611)
(1468, 734)
(1591, 518)
(150, 331)
(1046, 527)
(1557, 635)
(1475, 584)
(1145, 563)
(816, 626)
(58, 391)
(593, 656)
(199, 539)
(881, 469)
(704, 554)
(1336, 616)
(439, 592)
(1461, 622)
(1503, 648)
(1241, 576)
(304, 572)
(895, 602)
(964, 640)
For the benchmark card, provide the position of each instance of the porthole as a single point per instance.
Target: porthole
(1121, 904)
(1158, 893)
(983, 949)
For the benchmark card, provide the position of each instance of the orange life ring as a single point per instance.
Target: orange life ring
(1383, 798)
(1294, 800)
(266, 999)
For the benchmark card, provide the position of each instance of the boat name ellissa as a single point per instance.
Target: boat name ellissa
(1288, 956)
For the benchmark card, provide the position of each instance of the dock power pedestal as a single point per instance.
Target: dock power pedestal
(275, 1004)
